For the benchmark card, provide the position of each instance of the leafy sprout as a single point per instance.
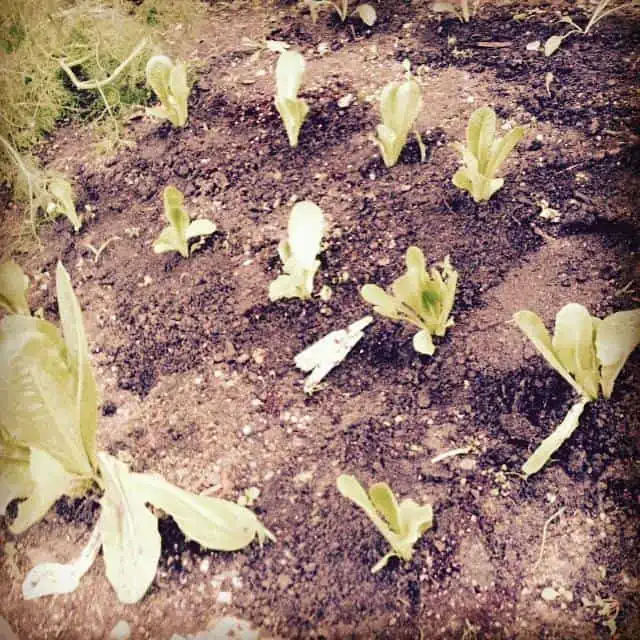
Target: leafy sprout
(588, 353)
(424, 299)
(401, 524)
(293, 110)
(463, 10)
(181, 230)
(400, 105)
(169, 83)
(48, 449)
(364, 11)
(13, 289)
(298, 252)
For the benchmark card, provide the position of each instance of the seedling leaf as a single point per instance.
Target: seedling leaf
(367, 14)
(617, 336)
(293, 110)
(298, 253)
(552, 443)
(400, 104)
(169, 82)
(130, 538)
(424, 299)
(15, 477)
(401, 524)
(211, 522)
(13, 289)
(62, 196)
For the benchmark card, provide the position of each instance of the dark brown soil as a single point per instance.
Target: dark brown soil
(188, 352)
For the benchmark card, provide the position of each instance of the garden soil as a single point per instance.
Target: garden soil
(196, 365)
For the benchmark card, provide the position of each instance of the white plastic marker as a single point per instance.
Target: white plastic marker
(328, 352)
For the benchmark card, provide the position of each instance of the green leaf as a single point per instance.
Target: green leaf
(38, 392)
(400, 105)
(13, 289)
(50, 482)
(200, 227)
(552, 44)
(130, 538)
(480, 133)
(53, 578)
(533, 327)
(402, 525)
(367, 14)
(423, 343)
(169, 240)
(384, 304)
(169, 82)
(157, 73)
(15, 477)
(573, 343)
(211, 522)
(174, 210)
(504, 147)
(85, 392)
(293, 111)
(616, 337)
(305, 230)
(552, 443)
(179, 93)
(62, 194)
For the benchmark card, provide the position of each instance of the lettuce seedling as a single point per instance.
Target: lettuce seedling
(483, 155)
(298, 252)
(181, 230)
(13, 289)
(169, 82)
(293, 110)
(61, 201)
(401, 524)
(48, 449)
(588, 353)
(400, 104)
(418, 297)
(364, 11)
(462, 11)
(601, 10)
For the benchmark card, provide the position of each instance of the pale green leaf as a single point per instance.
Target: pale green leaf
(533, 327)
(446, 7)
(53, 578)
(157, 74)
(130, 538)
(50, 482)
(480, 133)
(289, 71)
(385, 502)
(504, 148)
(158, 112)
(552, 443)
(211, 522)
(13, 289)
(293, 113)
(573, 344)
(285, 286)
(169, 240)
(15, 477)
(462, 179)
(367, 14)
(305, 231)
(85, 392)
(62, 194)
(179, 93)
(616, 337)
(384, 304)
(200, 227)
(178, 218)
(552, 44)
(38, 392)
(423, 343)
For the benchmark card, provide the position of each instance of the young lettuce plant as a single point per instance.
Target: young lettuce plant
(462, 11)
(603, 9)
(400, 105)
(48, 449)
(401, 524)
(169, 82)
(588, 353)
(364, 11)
(293, 110)
(483, 155)
(423, 299)
(181, 230)
(298, 253)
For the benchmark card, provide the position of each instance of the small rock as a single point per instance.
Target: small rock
(224, 597)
